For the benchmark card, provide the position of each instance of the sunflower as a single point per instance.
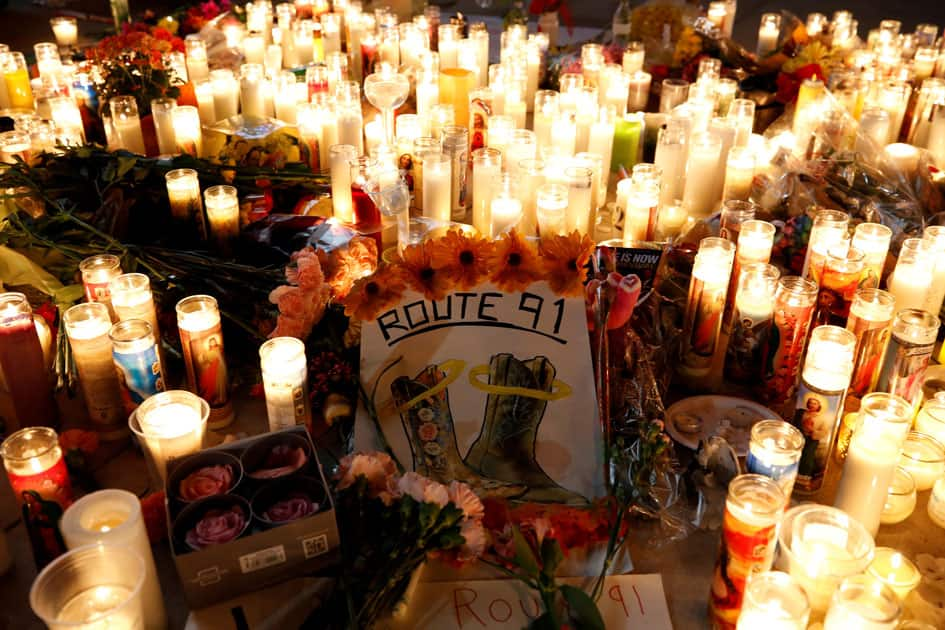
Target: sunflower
(416, 261)
(373, 294)
(563, 259)
(462, 258)
(514, 262)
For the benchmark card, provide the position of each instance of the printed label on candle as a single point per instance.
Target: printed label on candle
(708, 306)
(479, 112)
(783, 351)
(904, 368)
(749, 332)
(784, 474)
(282, 416)
(310, 151)
(206, 366)
(869, 352)
(745, 550)
(52, 484)
(815, 414)
(97, 291)
(139, 374)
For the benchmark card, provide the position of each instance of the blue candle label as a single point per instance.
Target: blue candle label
(139, 374)
(781, 473)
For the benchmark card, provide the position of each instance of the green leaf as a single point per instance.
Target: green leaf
(584, 611)
(524, 556)
(551, 556)
(125, 164)
(69, 294)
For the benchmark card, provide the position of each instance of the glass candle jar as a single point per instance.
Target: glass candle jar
(872, 457)
(749, 528)
(793, 311)
(551, 207)
(839, 279)
(931, 418)
(895, 571)
(97, 273)
(127, 124)
(201, 337)
(486, 169)
(183, 195)
(912, 278)
(223, 215)
(87, 327)
(773, 600)
(753, 311)
(900, 500)
(24, 366)
(924, 458)
(910, 348)
(91, 586)
(65, 30)
(136, 358)
(706, 302)
(169, 425)
(187, 130)
(862, 601)
(285, 380)
(774, 450)
(830, 227)
(873, 240)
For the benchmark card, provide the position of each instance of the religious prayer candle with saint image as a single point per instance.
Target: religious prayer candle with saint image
(706, 304)
(907, 357)
(838, 280)
(824, 382)
(137, 362)
(752, 321)
(201, 338)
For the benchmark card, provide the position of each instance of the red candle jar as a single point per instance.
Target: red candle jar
(21, 359)
(34, 461)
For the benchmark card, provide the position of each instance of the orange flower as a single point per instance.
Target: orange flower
(421, 274)
(563, 258)
(514, 262)
(462, 258)
(373, 294)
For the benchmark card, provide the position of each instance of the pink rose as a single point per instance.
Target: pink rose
(377, 468)
(295, 507)
(217, 527)
(282, 460)
(205, 482)
(423, 490)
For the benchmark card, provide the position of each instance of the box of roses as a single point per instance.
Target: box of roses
(248, 514)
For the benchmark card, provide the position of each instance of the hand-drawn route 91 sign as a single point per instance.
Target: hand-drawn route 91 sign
(490, 388)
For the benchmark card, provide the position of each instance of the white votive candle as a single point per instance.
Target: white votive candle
(187, 130)
(924, 458)
(223, 215)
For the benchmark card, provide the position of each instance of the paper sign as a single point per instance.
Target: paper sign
(490, 388)
(627, 601)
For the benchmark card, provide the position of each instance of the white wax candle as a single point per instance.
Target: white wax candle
(164, 129)
(197, 67)
(671, 158)
(437, 180)
(87, 327)
(285, 381)
(506, 214)
(254, 48)
(702, 176)
(895, 570)
(910, 285)
(171, 430)
(223, 214)
(342, 203)
(601, 142)
(639, 91)
(739, 174)
(640, 215)
(485, 180)
(226, 94)
(923, 457)
(206, 103)
(129, 134)
(564, 136)
(66, 31)
(543, 122)
(113, 517)
(251, 96)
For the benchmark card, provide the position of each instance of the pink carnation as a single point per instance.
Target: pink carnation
(465, 499)
(475, 537)
(377, 468)
(423, 490)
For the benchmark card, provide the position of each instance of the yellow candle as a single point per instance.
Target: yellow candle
(895, 570)
(17, 79)
(455, 84)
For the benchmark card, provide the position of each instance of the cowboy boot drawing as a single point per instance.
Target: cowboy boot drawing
(428, 423)
(505, 448)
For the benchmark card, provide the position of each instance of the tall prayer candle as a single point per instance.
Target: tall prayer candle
(774, 450)
(486, 171)
(912, 279)
(935, 236)
(65, 30)
(873, 240)
(506, 208)
(206, 107)
(703, 171)
(113, 517)
(339, 156)
(907, 357)
(251, 94)
(455, 85)
(34, 463)
(871, 316)
(197, 67)
(752, 320)
(705, 305)
(226, 94)
(769, 32)
(201, 338)
(223, 215)
(838, 280)
(183, 194)
(23, 366)
(137, 361)
(187, 130)
(628, 136)
(132, 299)
(753, 508)
(639, 91)
(437, 179)
(127, 124)
(97, 273)
(551, 202)
(87, 327)
(824, 381)
(17, 79)
(546, 110)
(739, 173)
(285, 381)
(830, 228)
(671, 155)
(639, 219)
(164, 125)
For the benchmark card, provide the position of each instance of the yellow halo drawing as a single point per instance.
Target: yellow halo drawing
(452, 367)
(560, 389)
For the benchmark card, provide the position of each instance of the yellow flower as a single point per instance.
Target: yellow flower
(462, 258)
(416, 261)
(374, 294)
(514, 263)
(563, 259)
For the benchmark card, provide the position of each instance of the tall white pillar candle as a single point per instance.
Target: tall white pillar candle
(285, 381)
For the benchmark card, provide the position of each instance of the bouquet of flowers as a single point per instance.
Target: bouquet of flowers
(390, 523)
